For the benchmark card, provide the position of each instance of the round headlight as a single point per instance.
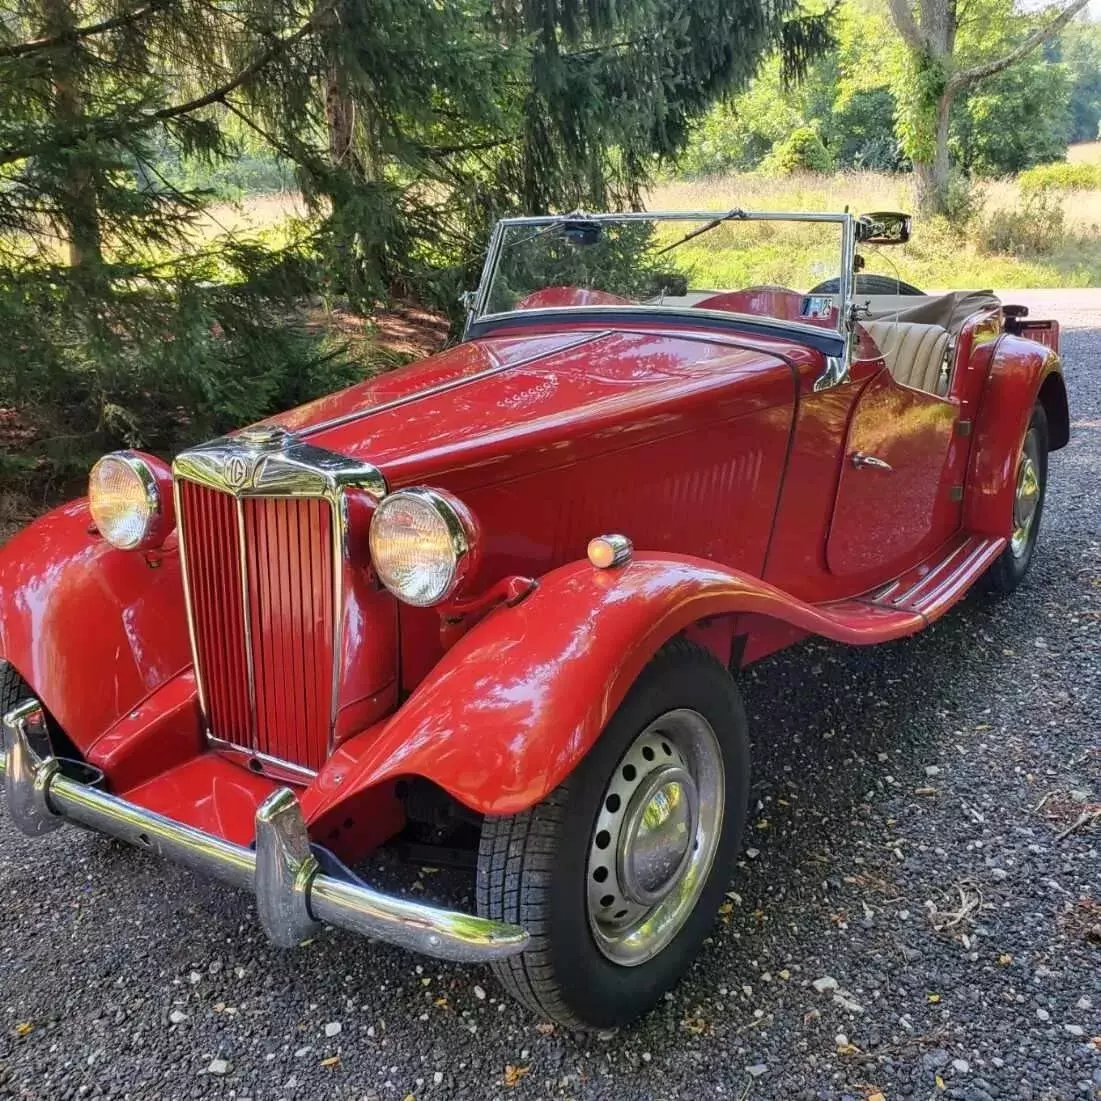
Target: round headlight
(422, 542)
(130, 498)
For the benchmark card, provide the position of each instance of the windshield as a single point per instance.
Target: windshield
(782, 266)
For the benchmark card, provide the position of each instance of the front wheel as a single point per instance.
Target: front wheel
(618, 873)
(1009, 569)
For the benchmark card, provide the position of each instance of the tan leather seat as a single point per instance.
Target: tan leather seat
(914, 353)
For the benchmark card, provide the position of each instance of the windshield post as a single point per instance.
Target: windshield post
(493, 252)
(846, 288)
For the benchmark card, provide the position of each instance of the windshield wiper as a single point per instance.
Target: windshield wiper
(731, 215)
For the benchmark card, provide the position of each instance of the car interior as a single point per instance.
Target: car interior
(916, 334)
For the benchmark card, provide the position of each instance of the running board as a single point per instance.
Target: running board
(933, 587)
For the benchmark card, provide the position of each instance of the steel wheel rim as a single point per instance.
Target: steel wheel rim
(1026, 499)
(655, 837)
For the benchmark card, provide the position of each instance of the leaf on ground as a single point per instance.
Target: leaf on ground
(1005, 959)
(932, 999)
(332, 1061)
(513, 1074)
(23, 1028)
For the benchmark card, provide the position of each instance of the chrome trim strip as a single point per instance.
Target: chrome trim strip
(677, 216)
(338, 509)
(274, 767)
(292, 894)
(246, 620)
(189, 606)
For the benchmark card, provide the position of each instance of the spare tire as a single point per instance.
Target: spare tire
(868, 284)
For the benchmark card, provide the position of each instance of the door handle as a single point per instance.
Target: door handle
(860, 458)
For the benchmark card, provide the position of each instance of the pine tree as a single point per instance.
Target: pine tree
(411, 126)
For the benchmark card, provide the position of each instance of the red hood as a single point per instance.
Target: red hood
(484, 400)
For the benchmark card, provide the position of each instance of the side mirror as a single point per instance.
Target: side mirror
(884, 227)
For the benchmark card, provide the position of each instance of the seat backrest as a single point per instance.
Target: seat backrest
(914, 353)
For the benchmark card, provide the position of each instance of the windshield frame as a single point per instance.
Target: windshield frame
(478, 315)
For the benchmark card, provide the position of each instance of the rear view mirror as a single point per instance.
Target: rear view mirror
(884, 227)
(582, 234)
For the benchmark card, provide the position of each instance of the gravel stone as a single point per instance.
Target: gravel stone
(94, 929)
(825, 984)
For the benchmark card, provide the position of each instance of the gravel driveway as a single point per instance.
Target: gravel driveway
(915, 914)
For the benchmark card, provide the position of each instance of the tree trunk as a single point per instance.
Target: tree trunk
(932, 177)
(340, 119)
(79, 213)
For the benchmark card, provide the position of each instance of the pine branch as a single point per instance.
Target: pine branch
(124, 19)
(1037, 38)
(217, 95)
(280, 45)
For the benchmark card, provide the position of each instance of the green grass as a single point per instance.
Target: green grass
(1055, 247)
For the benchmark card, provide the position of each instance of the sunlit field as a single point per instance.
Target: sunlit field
(1055, 244)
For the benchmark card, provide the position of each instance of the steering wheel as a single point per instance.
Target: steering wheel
(868, 284)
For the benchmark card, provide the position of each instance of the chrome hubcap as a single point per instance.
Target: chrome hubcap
(1026, 499)
(655, 837)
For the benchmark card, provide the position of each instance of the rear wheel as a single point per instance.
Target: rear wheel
(618, 873)
(1009, 569)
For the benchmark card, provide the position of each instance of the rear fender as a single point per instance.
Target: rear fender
(1021, 373)
(514, 705)
(92, 629)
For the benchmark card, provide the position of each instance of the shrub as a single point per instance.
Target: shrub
(1036, 228)
(1060, 176)
(801, 151)
(965, 200)
(151, 361)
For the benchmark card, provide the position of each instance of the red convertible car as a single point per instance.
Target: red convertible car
(501, 597)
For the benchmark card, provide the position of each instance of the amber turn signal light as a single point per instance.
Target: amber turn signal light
(606, 551)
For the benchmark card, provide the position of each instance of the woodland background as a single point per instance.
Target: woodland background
(214, 209)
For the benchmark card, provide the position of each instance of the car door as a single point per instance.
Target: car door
(897, 493)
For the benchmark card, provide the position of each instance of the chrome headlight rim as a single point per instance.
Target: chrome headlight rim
(155, 481)
(462, 533)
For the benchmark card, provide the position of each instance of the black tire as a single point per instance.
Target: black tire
(868, 284)
(532, 867)
(1010, 567)
(54, 742)
(12, 689)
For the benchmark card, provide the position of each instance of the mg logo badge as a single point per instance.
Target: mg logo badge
(236, 471)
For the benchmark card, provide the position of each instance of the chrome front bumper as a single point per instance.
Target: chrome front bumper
(293, 895)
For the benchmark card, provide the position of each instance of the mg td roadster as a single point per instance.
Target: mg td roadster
(504, 593)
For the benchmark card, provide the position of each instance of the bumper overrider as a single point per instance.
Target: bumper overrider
(293, 895)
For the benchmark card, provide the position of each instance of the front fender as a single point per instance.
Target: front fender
(93, 630)
(1021, 373)
(516, 703)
